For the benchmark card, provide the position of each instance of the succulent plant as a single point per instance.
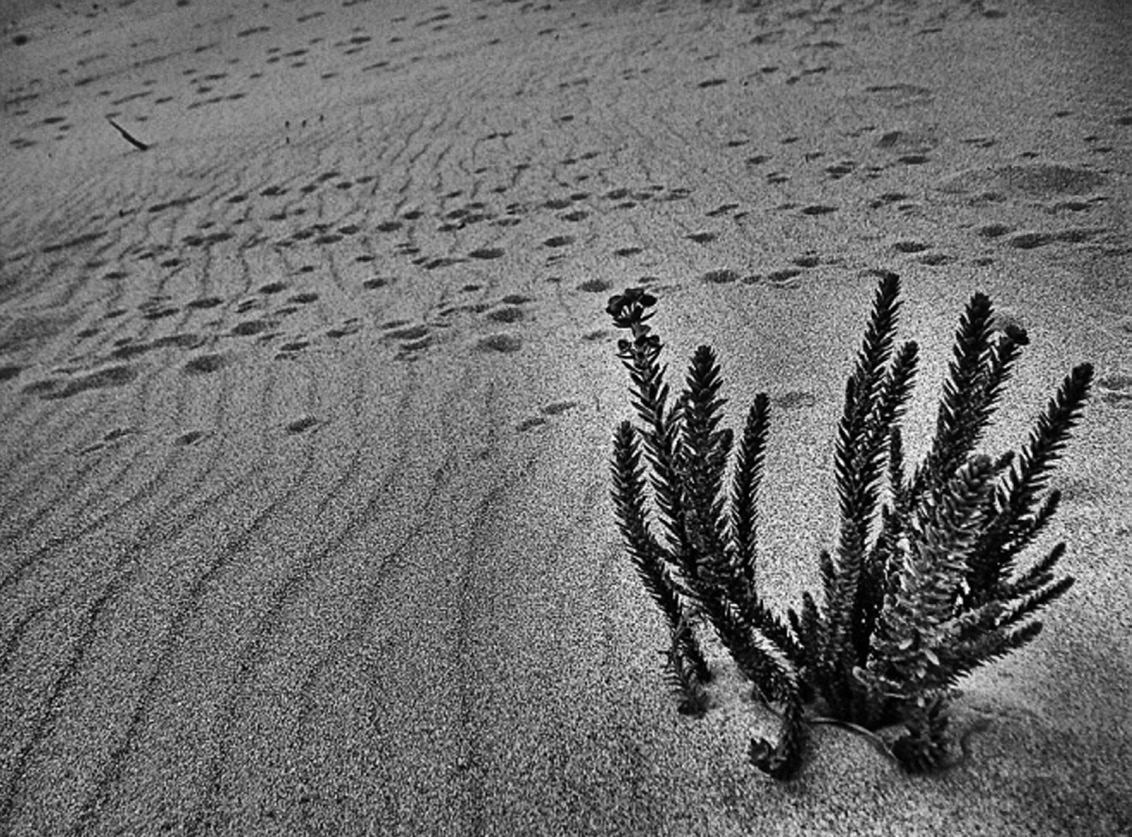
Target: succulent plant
(924, 584)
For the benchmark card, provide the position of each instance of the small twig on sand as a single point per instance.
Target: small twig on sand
(130, 138)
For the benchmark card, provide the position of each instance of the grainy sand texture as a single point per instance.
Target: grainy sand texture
(305, 411)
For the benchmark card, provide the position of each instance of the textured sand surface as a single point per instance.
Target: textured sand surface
(305, 411)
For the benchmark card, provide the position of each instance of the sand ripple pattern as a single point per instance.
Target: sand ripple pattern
(304, 409)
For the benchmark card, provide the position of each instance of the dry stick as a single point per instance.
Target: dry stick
(130, 138)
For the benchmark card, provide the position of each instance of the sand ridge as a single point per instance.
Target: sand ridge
(306, 409)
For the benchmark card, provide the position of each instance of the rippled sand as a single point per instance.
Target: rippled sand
(305, 410)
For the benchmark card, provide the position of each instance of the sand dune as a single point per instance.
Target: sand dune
(305, 409)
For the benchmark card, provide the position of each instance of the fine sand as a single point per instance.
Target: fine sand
(305, 411)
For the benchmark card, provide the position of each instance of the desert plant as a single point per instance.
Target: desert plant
(923, 585)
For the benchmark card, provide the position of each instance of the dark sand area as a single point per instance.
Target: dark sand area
(305, 411)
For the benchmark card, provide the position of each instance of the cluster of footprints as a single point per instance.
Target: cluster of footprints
(362, 255)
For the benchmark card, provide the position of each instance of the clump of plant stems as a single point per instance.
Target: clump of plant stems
(924, 583)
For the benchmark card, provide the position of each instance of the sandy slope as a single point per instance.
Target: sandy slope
(306, 410)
